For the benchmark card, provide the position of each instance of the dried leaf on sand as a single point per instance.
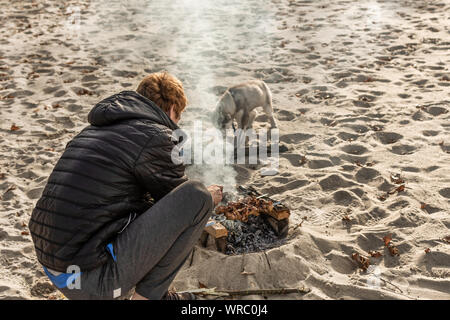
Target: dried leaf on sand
(387, 239)
(363, 262)
(398, 189)
(392, 249)
(375, 254)
(395, 178)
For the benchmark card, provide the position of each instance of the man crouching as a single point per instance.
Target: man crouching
(94, 213)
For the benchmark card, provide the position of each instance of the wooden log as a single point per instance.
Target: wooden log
(217, 230)
(281, 227)
(221, 244)
(278, 213)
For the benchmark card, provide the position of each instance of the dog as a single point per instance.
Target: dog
(239, 103)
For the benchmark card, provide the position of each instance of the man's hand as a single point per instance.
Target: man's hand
(216, 193)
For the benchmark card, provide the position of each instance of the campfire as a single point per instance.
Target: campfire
(253, 223)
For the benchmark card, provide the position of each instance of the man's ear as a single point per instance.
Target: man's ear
(172, 112)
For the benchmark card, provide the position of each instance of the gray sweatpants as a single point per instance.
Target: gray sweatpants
(152, 249)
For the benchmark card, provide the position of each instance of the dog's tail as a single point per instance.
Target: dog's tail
(268, 95)
(268, 108)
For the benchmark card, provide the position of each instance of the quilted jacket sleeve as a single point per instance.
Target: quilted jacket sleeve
(155, 169)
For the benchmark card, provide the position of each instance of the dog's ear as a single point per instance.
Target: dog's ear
(216, 118)
(220, 119)
(226, 120)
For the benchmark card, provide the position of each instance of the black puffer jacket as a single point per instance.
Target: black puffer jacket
(101, 178)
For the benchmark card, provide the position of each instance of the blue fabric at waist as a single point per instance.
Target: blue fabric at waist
(61, 280)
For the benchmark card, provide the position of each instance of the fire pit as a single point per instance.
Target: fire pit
(253, 223)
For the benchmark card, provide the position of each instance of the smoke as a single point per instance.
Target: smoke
(208, 45)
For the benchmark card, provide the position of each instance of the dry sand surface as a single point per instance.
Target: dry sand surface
(361, 93)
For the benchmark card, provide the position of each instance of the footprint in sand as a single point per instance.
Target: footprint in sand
(430, 209)
(22, 93)
(47, 72)
(60, 93)
(400, 204)
(28, 174)
(295, 137)
(358, 128)
(74, 107)
(89, 78)
(420, 83)
(344, 198)
(445, 193)
(124, 73)
(285, 115)
(49, 90)
(293, 185)
(445, 148)
(410, 169)
(436, 111)
(404, 95)
(420, 116)
(65, 121)
(84, 69)
(354, 149)
(294, 159)
(347, 136)
(334, 182)
(430, 133)
(319, 163)
(388, 137)
(403, 149)
(34, 193)
(340, 262)
(372, 217)
(365, 175)
(432, 168)
(364, 101)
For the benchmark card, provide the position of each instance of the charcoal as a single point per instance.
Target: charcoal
(251, 236)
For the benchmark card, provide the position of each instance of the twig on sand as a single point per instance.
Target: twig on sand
(388, 282)
(227, 293)
(401, 291)
(298, 224)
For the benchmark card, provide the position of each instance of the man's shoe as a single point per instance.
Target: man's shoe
(172, 295)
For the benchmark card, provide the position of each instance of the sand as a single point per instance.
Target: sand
(361, 94)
